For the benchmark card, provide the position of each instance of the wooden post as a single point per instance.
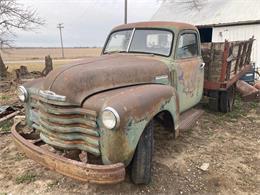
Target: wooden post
(48, 65)
(3, 68)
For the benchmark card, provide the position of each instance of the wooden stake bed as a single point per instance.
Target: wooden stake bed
(225, 63)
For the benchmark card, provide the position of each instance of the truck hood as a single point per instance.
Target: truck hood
(80, 80)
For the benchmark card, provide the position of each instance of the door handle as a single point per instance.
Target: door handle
(202, 65)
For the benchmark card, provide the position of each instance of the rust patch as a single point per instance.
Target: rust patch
(77, 82)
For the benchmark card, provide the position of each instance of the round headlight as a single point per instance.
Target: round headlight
(110, 118)
(22, 93)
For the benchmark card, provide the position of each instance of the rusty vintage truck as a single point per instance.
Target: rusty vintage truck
(91, 119)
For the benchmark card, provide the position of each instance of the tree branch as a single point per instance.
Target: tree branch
(15, 16)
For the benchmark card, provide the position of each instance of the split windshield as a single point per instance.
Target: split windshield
(140, 41)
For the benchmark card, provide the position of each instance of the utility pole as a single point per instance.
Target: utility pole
(125, 11)
(60, 26)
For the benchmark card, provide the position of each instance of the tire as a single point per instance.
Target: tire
(227, 99)
(214, 101)
(142, 160)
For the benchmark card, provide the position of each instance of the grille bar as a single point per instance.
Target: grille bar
(65, 125)
(69, 119)
(76, 144)
(68, 128)
(61, 110)
(69, 137)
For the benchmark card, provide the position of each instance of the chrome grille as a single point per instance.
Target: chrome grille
(64, 125)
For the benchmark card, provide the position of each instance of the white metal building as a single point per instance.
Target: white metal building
(218, 20)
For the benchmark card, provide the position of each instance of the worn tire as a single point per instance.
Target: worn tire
(227, 99)
(214, 101)
(142, 160)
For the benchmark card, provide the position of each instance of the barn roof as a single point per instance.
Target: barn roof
(210, 12)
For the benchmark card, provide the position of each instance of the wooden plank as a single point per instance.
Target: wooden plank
(230, 61)
(243, 55)
(248, 55)
(211, 60)
(238, 57)
(9, 116)
(224, 63)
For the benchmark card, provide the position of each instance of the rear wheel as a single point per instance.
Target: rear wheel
(142, 160)
(214, 100)
(227, 99)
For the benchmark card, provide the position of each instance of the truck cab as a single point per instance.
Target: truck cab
(177, 45)
(105, 107)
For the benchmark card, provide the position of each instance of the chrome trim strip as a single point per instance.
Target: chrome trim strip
(161, 77)
(50, 95)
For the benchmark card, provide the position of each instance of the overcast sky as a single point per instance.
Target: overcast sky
(86, 22)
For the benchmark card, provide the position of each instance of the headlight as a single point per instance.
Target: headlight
(22, 93)
(110, 118)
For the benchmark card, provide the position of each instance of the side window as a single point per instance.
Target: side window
(187, 46)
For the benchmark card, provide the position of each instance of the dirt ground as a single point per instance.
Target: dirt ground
(228, 142)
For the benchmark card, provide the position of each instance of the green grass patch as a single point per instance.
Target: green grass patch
(6, 126)
(5, 97)
(240, 109)
(26, 177)
(19, 157)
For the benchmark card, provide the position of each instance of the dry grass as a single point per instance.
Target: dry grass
(33, 58)
(39, 53)
(38, 66)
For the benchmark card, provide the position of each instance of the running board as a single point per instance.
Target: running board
(189, 117)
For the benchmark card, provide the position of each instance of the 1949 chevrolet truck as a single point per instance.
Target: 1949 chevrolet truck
(91, 119)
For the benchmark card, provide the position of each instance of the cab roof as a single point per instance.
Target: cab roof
(156, 24)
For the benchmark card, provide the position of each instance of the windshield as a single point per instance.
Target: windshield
(140, 41)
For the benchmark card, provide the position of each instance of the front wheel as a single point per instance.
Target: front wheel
(142, 160)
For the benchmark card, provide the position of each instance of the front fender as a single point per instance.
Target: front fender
(136, 106)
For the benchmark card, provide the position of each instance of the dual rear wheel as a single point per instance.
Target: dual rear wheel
(222, 101)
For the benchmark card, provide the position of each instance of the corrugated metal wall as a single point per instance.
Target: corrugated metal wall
(237, 33)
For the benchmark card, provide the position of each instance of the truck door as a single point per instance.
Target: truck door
(189, 69)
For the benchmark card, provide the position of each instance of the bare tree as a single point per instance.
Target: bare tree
(14, 16)
(189, 4)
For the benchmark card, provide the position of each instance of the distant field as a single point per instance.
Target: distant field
(33, 58)
(39, 53)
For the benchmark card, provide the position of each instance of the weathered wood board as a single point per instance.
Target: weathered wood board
(213, 54)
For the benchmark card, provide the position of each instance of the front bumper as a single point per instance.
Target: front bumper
(101, 174)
